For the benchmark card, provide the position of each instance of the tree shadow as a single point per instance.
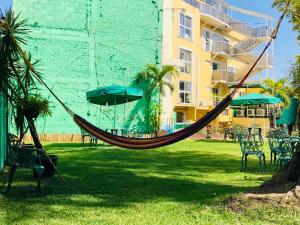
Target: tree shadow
(114, 178)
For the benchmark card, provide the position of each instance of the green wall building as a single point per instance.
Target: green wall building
(84, 44)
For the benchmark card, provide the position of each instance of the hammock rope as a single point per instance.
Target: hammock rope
(150, 143)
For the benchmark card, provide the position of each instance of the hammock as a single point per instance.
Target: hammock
(150, 143)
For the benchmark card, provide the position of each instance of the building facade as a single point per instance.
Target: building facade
(212, 50)
(84, 44)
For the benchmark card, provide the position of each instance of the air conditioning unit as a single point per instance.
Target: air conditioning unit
(260, 112)
(251, 112)
(240, 113)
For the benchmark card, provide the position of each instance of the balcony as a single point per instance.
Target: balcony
(266, 61)
(222, 76)
(217, 100)
(212, 15)
(221, 48)
(217, 18)
(254, 32)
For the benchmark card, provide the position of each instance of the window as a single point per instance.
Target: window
(185, 26)
(207, 41)
(185, 58)
(215, 91)
(231, 69)
(180, 117)
(185, 92)
(215, 66)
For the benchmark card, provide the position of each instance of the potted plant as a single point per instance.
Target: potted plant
(30, 109)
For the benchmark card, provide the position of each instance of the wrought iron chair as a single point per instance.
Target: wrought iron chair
(273, 136)
(25, 156)
(251, 145)
(286, 150)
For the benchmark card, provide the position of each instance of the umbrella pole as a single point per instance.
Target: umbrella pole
(115, 113)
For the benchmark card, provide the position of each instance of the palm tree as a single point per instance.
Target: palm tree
(18, 76)
(278, 89)
(156, 79)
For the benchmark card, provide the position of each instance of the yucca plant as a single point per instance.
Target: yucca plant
(18, 76)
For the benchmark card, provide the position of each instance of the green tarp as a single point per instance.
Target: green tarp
(3, 132)
(254, 99)
(289, 114)
(113, 95)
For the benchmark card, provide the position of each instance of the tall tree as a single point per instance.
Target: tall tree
(293, 12)
(290, 174)
(294, 75)
(157, 81)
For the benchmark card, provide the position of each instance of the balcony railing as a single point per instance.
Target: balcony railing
(213, 12)
(210, 11)
(255, 32)
(222, 76)
(221, 47)
(217, 100)
(238, 26)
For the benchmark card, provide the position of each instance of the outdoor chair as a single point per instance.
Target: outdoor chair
(251, 145)
(273, 136)
(228, 133)
(233, 133)
(286, 150)
(124, 133)
(84, 134)
(24, 156)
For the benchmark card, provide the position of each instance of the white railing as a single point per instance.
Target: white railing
(246, 45)
(222, 76)
(255, 32)
(238, 26)
(221, 47)
(210, 11)
(217, 100)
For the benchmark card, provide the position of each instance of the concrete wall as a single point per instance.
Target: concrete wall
(83, 44)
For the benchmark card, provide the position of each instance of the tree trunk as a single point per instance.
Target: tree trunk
(34, 134)
(298, 119)
(159, 112)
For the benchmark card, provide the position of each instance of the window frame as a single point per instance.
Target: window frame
(185, 92)
(184, 62)
(184, 26)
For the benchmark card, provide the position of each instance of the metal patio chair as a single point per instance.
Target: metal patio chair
(251, 145)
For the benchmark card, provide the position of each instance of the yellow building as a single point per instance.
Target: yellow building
(212, 50)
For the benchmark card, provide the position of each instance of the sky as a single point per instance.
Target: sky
(286, 45)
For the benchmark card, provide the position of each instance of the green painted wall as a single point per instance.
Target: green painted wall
(83, 44)
(2, 132)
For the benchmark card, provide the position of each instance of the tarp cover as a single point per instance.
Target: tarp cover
(289, 114)
(254, 99)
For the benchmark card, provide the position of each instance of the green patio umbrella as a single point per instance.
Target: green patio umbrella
(254, 99)
(113, 95)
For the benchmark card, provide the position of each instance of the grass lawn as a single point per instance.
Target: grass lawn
(181, 184)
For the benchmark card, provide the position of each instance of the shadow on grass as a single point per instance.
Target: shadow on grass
(110, 177)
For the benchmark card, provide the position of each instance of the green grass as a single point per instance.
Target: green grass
(180, 184)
